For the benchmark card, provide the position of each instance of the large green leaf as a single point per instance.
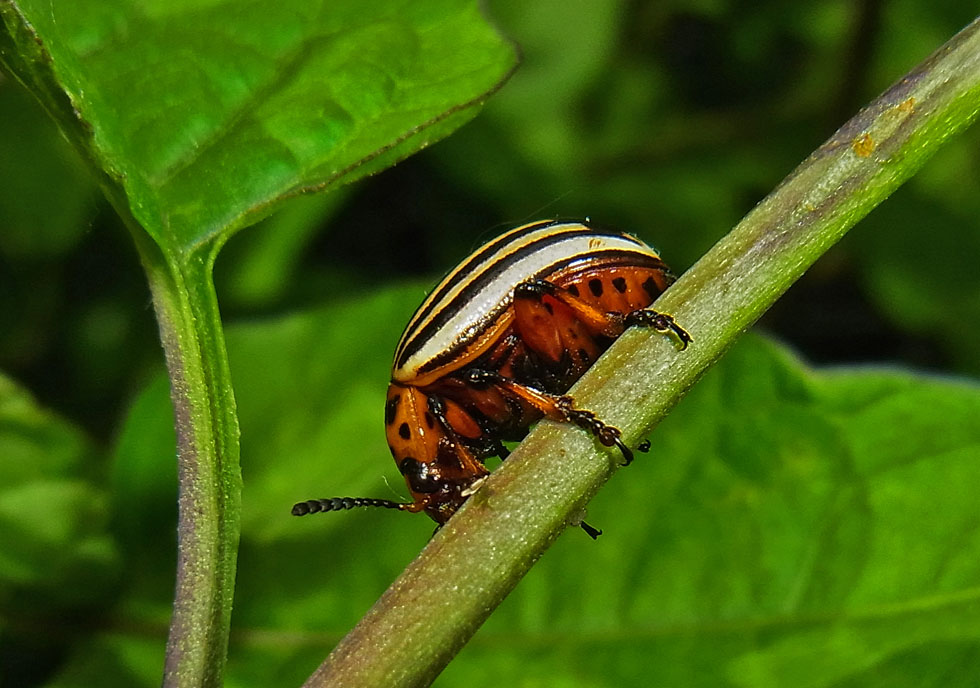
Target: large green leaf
(199, 118)
(263, 266)
(53, 513)
(209, 113)
(58, 562)
(34, 222)
(789, 527)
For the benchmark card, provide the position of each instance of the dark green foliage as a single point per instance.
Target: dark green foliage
(792, 525)
(788, 525)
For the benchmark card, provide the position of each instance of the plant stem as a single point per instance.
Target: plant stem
(208, 466)
(468, 568)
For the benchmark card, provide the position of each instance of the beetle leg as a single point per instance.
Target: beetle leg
(599, 321)
(469, 463)
(661, 322)
(608, 435)
(557, 407)
(500, 450)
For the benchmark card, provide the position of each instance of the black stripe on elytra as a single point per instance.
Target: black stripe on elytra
(610, 257)
(474, 259)
(475, 283)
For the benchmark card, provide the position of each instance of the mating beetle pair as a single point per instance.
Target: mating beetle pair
(495, 347)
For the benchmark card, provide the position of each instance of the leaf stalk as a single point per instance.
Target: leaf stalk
(209, 502)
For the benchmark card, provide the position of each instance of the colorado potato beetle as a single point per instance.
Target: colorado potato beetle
(496, 346)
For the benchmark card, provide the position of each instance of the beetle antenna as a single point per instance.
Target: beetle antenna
(313, 506)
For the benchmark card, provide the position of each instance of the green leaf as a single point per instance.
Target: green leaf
(304, 363)
(144, 475)
(200, 118)
(112, 661)
(56, 553)
(790, 526)
(208, 114)
(312, 423)
(37, 222)
(312, 403)
(261, 266)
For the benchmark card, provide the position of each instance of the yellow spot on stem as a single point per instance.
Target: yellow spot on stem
(863, 145)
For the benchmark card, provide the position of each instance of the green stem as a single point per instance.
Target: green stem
(193, 342)
(467, 569)
(208, 467)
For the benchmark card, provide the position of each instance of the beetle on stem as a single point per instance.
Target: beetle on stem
(496, 346)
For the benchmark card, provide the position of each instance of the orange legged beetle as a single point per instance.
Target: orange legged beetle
(496, 346)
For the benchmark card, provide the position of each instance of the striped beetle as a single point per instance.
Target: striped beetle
(495, 347)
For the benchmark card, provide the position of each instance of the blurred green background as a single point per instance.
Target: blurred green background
(669, 120)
